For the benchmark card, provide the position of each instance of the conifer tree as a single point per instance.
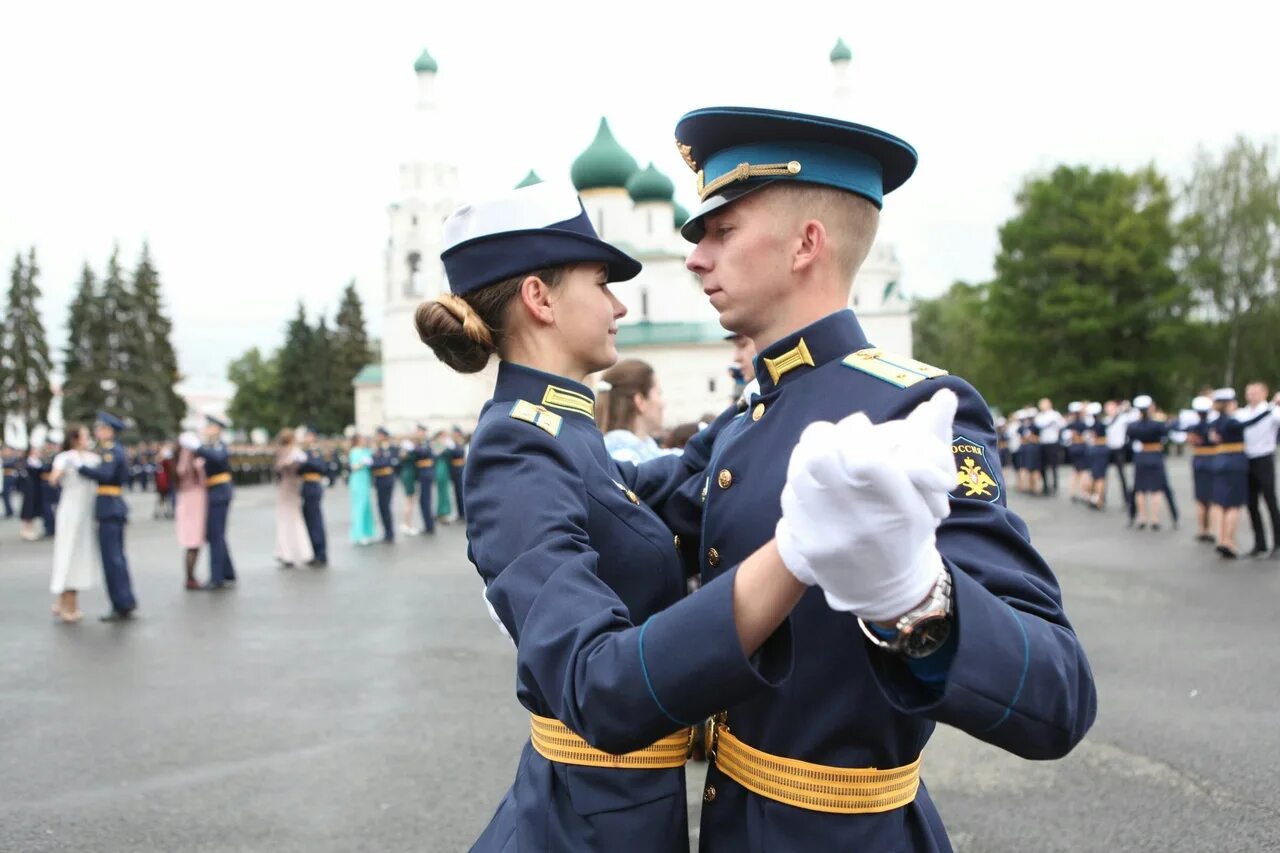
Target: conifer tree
(24, 378)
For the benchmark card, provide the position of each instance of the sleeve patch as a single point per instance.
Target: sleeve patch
(973, 474)
(548, 422)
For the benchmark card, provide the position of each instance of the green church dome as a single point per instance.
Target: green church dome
(605, 163)
(529, 180)
(425, 63)
(679, 216)
(841, 52)
(650, 185)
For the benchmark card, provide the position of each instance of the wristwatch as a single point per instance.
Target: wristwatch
(921, 631)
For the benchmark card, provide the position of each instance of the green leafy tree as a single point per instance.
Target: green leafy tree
(1230, 255)
(84, 358)
(950, 331)
(24, 352)
(1085, 302)
(256, 402)
(351, 351)
(160, 408)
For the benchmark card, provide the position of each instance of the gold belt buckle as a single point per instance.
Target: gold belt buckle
(713, 734)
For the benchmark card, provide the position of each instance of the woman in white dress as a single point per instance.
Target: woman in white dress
(76, 559)
(293, 545)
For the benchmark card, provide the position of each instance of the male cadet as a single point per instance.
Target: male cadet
(217, 471)
(112, 514)
(1051, 422)
(313, 469)
(50, 494)
(1260, 448)
(960, 623)
(385, 462)
(744, 367)
(456, 453)
(424, 460)
(9, 462)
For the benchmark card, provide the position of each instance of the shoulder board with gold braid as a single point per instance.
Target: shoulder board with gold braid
(894, 369)
(548, 422)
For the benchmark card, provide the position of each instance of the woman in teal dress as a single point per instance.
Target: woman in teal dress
(360, 486)
(444, 506)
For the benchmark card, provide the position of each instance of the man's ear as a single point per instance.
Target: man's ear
(813, 242)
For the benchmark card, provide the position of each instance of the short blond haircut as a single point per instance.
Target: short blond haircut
(851, 220)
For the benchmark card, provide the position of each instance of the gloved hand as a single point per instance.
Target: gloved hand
(861, 505)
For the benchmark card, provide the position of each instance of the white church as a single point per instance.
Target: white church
(669, 323)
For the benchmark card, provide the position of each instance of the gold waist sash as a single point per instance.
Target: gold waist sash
(817, 787)
(555, 741)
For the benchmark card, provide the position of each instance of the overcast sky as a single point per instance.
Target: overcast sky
(256, 145)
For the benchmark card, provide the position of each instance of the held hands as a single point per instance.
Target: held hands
(861, 504)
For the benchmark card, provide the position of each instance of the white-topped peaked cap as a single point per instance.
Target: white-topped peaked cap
(1142, 401)
(1072, 408)
(1201, 404)
(521, 231)
(1224, 394)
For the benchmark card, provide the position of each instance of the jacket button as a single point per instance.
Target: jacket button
(713, 557)
(676, 540)
(725, 478)
(709, 795)
(758, 412)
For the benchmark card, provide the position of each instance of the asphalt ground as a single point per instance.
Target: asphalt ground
(370, 706)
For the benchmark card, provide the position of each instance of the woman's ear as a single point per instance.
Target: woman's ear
(641, 402)
(535, 296)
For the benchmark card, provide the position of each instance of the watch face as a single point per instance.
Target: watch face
(927, 637)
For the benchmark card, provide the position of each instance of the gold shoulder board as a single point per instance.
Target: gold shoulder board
(548, 422)
(894, 369)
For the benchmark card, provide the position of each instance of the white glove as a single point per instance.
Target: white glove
(861, 505)
(493, 614)
(189, 440)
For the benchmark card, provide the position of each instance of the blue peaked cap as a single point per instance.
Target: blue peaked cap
(737, 150)
(111, 421)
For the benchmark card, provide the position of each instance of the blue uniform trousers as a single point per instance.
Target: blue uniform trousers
(455, 474)
(4, 497)
(313, 514)
(386, 488)
(220, 568)
(115, 567)
(426, 486)
(49, 505)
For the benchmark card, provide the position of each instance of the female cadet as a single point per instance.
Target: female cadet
(1147, 436)
(1203, 449)
(613, 662)
(1231, 469)
(1030, 478)
(1099, 456)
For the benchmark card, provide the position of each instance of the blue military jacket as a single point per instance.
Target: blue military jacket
(113, 470)
(1147, 431)
(385, 456)
(217, 461)
(1017, 676)
(316, 464)
(1201, 435)
(424, 459)
(586, 579)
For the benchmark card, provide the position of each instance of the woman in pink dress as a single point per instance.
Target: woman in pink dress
(190, 503)
(293, 545)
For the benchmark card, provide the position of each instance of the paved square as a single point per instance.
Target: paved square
(370, 706)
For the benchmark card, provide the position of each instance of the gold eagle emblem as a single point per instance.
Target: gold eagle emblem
(975, 481)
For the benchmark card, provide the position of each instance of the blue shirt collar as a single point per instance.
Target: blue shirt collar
(560, 395)
(833, 337)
